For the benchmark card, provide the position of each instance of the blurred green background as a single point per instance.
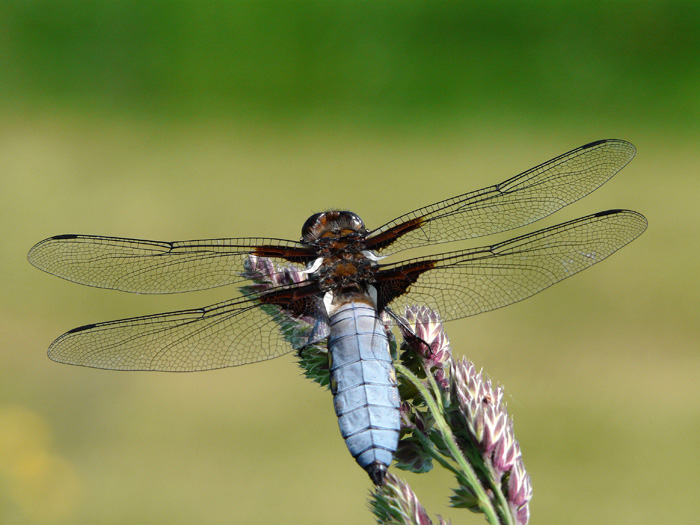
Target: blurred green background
(184, 119)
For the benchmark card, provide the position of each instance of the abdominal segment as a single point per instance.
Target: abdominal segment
(364, 387)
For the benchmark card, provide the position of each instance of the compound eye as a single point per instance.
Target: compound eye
(310, 225)
(355, 222)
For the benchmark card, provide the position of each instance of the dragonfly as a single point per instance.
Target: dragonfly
(334, 283)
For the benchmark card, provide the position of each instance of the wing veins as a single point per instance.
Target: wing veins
(174, 341)
(468, 282)
(500, 207)
(144, 266)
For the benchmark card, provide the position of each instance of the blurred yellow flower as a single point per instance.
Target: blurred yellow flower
(44, 485)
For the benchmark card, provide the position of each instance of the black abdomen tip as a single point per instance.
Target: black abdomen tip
(377, 472)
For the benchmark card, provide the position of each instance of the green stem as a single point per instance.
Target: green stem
(435, 388)
(430, 448)
(497, 489)
(485, 503)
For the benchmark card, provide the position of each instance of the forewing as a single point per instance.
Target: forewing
(516, 202)
(230, 333)
(141, 266)
(463, 283)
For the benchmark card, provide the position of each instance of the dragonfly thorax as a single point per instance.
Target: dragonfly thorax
(346, 271)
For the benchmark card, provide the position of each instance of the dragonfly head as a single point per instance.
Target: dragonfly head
(332, 223)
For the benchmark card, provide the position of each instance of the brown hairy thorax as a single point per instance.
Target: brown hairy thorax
(338, 238)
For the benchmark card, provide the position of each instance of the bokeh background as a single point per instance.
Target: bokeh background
(185, 119)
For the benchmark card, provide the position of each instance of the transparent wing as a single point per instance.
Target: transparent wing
(463, 283)
(230, 333)
(141, 266)
(516, 202)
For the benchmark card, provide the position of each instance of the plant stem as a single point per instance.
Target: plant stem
(430, 448)
(484, 501)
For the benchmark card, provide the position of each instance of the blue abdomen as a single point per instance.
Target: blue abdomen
(363, 382)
